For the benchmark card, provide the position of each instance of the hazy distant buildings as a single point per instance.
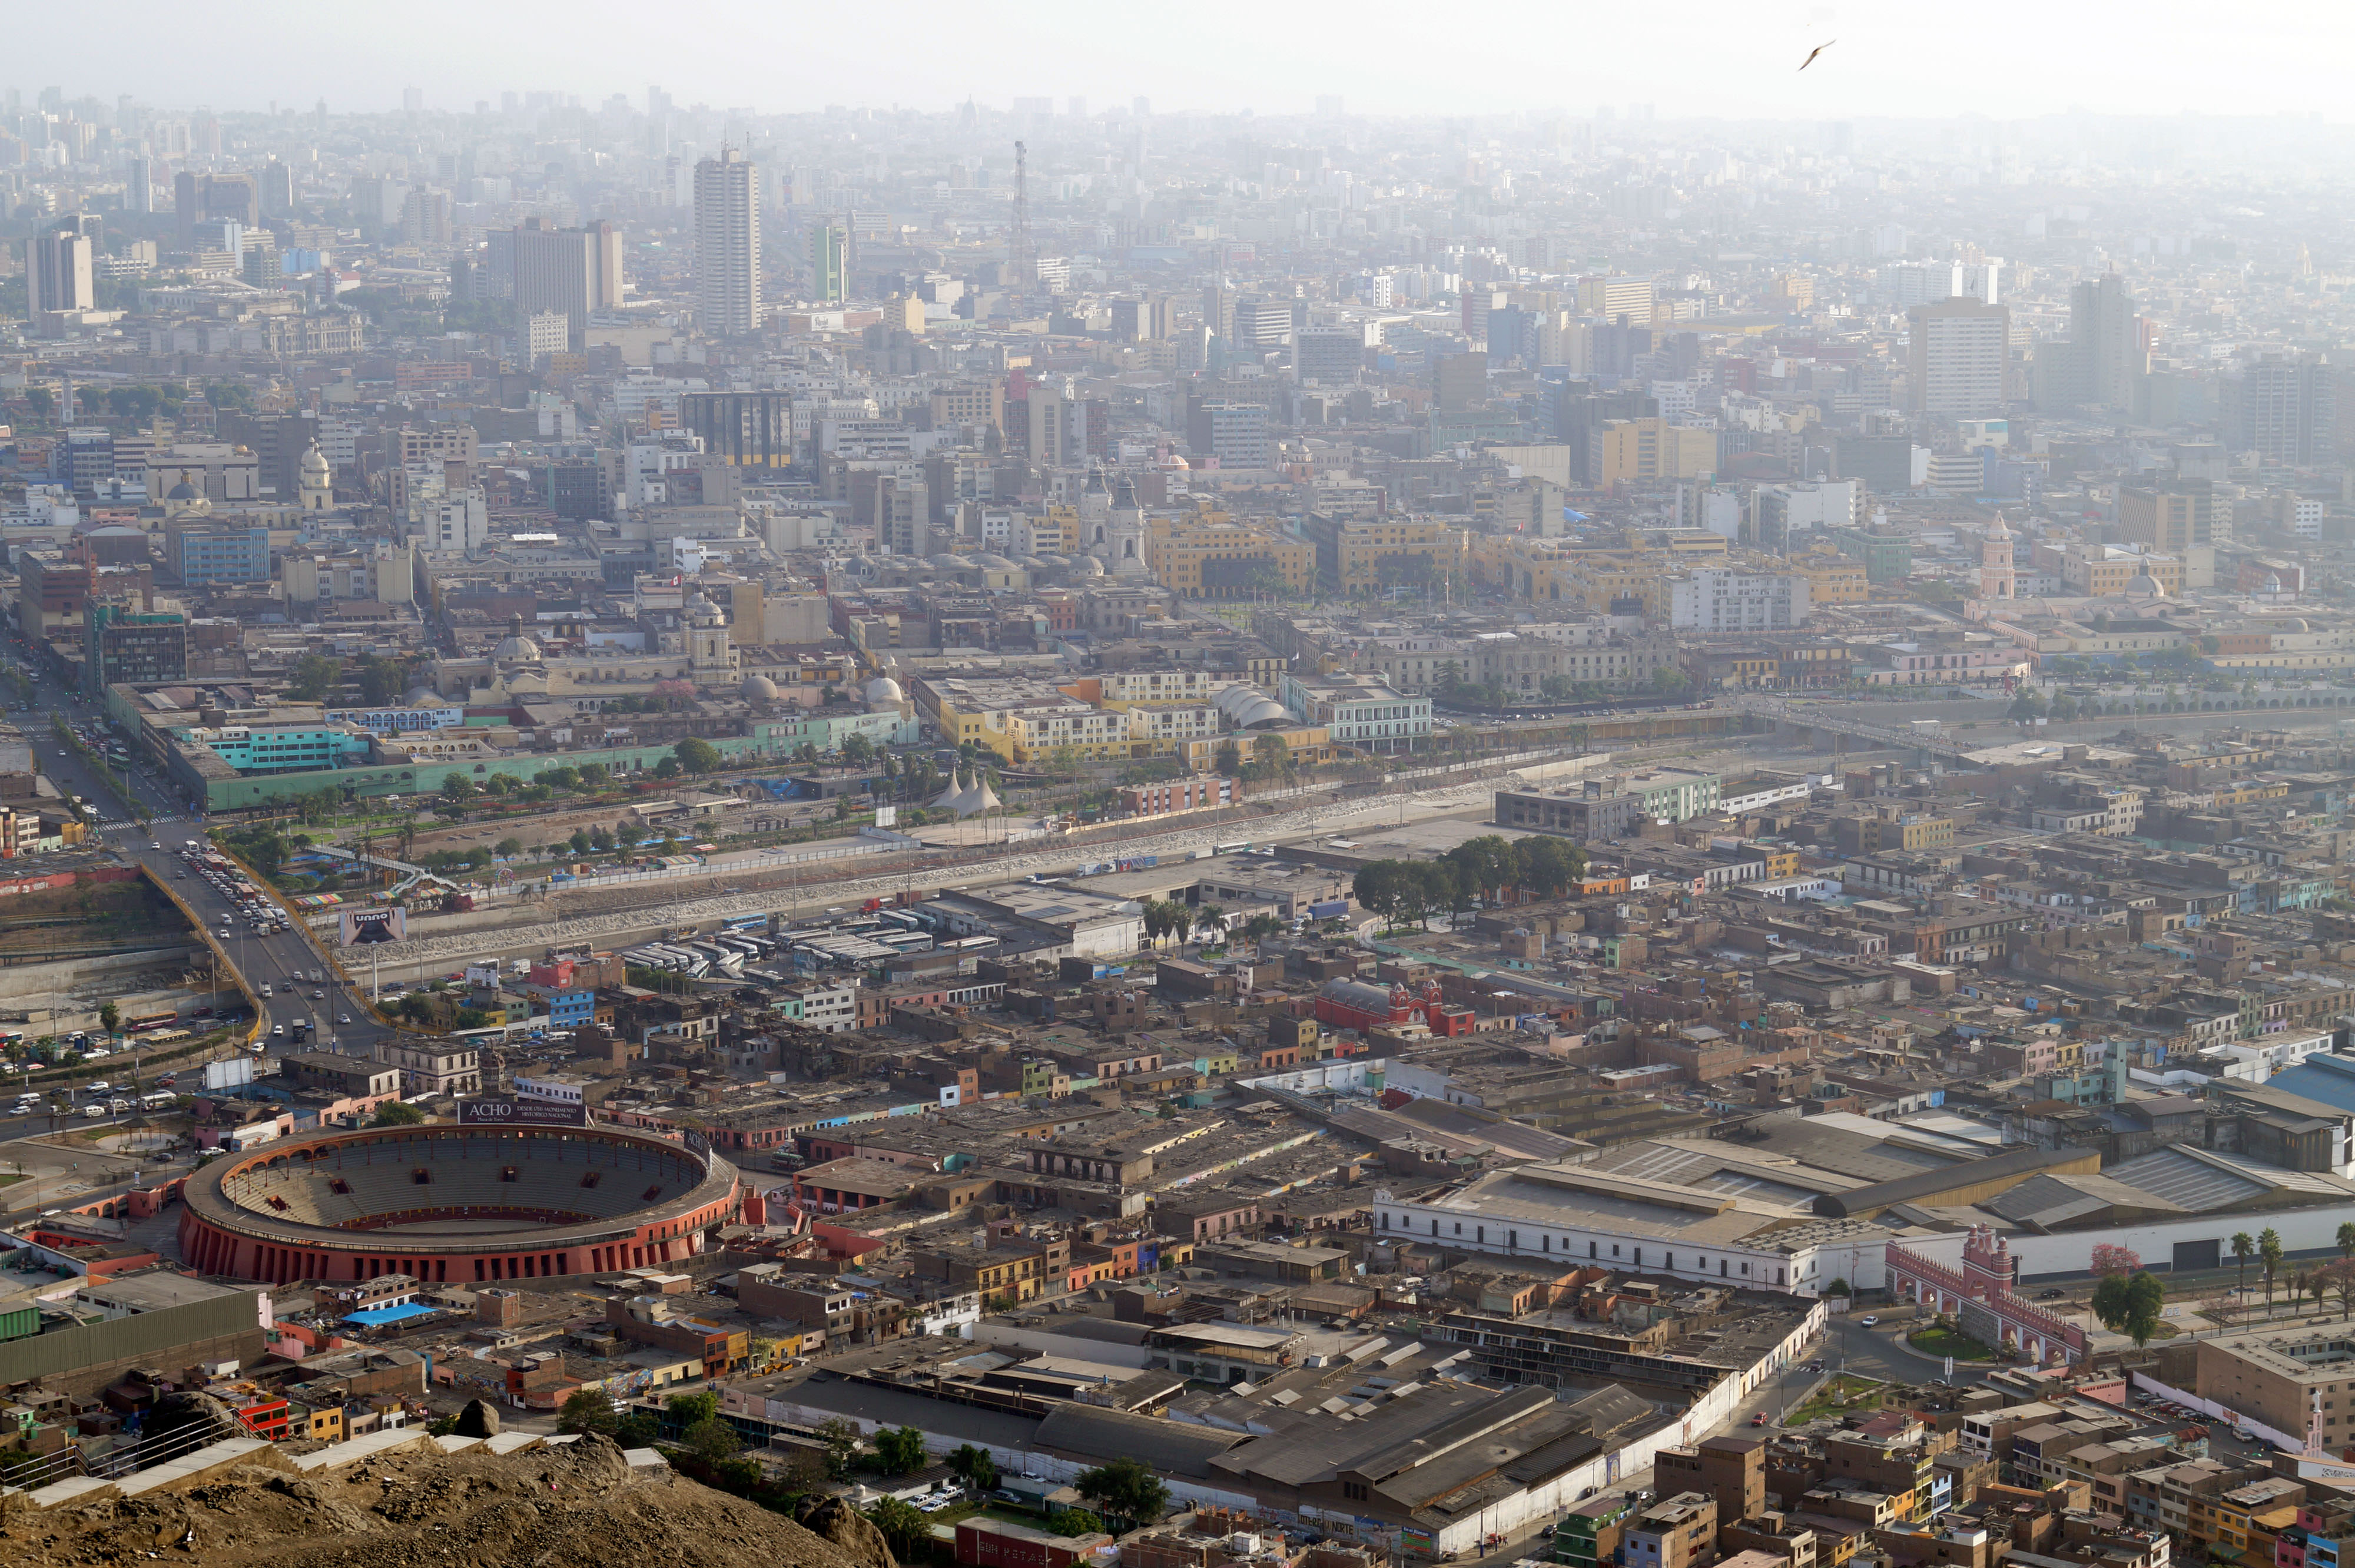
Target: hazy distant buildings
(201, 198)
(727, 243)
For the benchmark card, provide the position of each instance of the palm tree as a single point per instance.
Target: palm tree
(2269, 1258)
(2242, 1250)
(2346, 1238)
(1212, 919)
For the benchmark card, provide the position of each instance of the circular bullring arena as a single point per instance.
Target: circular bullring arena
(454, 1205)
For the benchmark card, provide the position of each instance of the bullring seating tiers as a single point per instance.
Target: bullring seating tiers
(375, 1185)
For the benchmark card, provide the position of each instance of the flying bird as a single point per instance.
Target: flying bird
(1817, 50)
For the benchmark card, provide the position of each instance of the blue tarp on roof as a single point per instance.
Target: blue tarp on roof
(379, 1316)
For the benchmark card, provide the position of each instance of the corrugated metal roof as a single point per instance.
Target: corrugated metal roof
(2197, 1185)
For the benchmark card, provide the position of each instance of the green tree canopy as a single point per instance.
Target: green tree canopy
(697, 755)
(314, 678)
(588, 1410)
(398, 1114)
(1125, 1488)
(901, 1449)
(2130, 1304)
(905, 1529)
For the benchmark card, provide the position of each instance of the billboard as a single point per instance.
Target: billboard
(228, 1074)
(359, 927)
(521, 1113)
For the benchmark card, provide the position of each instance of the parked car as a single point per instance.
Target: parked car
(2051, 1294)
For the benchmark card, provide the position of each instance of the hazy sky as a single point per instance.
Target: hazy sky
(2001, 57)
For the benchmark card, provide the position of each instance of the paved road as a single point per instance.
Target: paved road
(284, 961)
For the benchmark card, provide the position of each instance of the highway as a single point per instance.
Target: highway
(284, 961)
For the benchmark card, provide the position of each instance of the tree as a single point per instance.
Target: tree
(398, 1114)
(858, 750)
(689, 1408)
(580, 841)
(900, 1448)
(314, 676)
(2341, 1276)
(1227, 759)
(712, 1440)
(588, 1410)
(2269, 1258)
(1073, 1522)
(1124, 1489)
(2130, 1304)
(639, 1429)
(382, 680)
(457, 789)
(109, 1015)
(841, 1438)
(670, 767)
(508, 848)
(1273, 757)
(2346, 1239)
(697, 755)
(1836, 1288)
(974, 1467)
(904, 1525)
(2109, 1260)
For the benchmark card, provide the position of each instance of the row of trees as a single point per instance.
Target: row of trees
(2063, 707)
(1666, 680)
(2267, 1249)
(1480, 869)
(317, 678)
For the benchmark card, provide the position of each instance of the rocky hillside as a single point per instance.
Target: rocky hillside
(582, 1505)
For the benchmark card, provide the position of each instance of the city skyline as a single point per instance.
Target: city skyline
(1712, 60)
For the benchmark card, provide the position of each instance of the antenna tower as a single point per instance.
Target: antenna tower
(1019, 252)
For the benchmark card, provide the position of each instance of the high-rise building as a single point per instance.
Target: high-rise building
(1618, 298)
(2105, 337)
(425, 218)
(727, 243)
(829, 262)
(1461, 380)
(2173, 517)
(277, 192)
(1234, 436)
(2284, 408)
(58, 275)
(200, 197)
(139, 185)
(1960, 354)
(574, 272)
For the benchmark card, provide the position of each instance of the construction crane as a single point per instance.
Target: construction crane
(1020, 254)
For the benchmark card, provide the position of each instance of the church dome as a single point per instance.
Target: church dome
(759, 688)
(315, 466)
(421, 697)
(184, 491)
(1088, 566)
(515, 648)
(882, 689)
(2142, 585)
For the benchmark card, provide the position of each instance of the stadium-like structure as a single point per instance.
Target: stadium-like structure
(454, 1204)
